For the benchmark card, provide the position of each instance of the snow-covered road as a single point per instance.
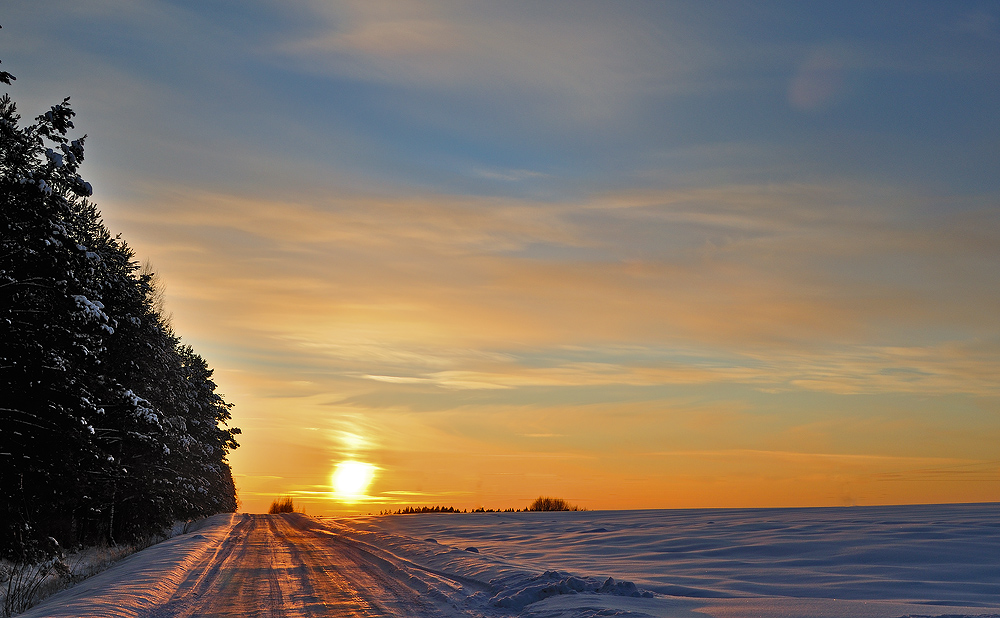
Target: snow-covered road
(290, 567)
(249, 566)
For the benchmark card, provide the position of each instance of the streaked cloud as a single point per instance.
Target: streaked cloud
(590, 62)
(785, 285)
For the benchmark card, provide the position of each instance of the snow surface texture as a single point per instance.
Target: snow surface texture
(138, 584)
(878, 562)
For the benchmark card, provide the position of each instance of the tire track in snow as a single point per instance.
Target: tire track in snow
(272, 566)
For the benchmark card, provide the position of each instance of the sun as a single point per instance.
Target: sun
(351, 480)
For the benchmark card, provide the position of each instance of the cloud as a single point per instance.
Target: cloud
(562, 60)
(807, 457)
(830, 287)
(953, 367)
(437, 223)
(512, 175)
(818, 82)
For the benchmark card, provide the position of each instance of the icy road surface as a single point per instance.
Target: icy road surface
(249, 565)
(289, 566)
(870, 562)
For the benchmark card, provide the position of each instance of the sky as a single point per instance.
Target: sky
(629, 254)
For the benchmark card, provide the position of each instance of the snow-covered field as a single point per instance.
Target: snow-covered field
(878, 562)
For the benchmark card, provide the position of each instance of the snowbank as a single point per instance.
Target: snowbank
(143, 581)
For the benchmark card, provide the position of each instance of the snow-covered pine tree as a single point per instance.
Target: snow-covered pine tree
(156, 438)
(131, 429)
(109, 427)
(210, 486)
(52, 329)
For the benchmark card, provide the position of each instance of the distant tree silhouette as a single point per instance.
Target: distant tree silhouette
(544, 503)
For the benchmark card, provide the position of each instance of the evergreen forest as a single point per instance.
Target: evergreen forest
(111, 428)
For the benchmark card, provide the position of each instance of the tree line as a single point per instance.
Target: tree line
(542, 503)
(111, 428)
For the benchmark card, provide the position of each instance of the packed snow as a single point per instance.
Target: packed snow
(865, 562)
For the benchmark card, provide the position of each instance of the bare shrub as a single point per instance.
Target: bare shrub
(23, 582)
(33, 576)
(282, 505)
(544, 503)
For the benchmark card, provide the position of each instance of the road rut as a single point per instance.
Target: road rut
(278, 566)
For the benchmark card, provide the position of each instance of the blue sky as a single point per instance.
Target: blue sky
(468, 241)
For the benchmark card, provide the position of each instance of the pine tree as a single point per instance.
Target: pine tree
(109, 426)
(52, 326)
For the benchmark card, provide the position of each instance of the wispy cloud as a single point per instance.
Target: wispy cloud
(509, 175)
(587, 63)
(821, 287)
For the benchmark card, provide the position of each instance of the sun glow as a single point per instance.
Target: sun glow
(351, 480)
